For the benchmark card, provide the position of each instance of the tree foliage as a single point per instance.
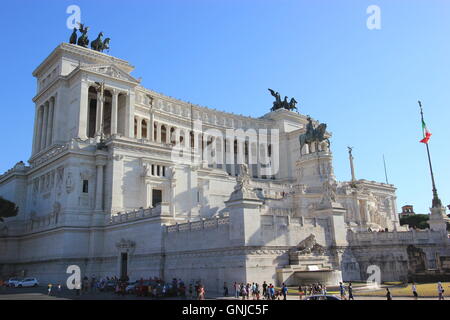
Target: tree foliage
(418, 221)
(7, 209)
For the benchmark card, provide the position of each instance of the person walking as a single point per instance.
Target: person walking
(342, 291)
(225, 289)
(300, 292)
(49, 288)
(237, 289)
(284, 291)
(350, 291)
(201, 293)
(414, 291)
(271, 292)
(264, 286)
(388, 294)
(243, 292)
(440, 289)
(257, 291)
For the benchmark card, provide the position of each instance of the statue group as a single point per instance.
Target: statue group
(98, 44)
(313, 135)
(282, 104)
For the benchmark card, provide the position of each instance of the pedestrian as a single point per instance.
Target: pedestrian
(350, 291)
(257, 291)
(201, 293)
(342, 291)
(49, 288)
(388, 294)
(59, 287)
(264, 286)
(237, 289)
(284, 291)
(300, 292)
(191, 291)
(225, 289)
(271, 292)
(414, 291)
(243, 291)
(440, 289)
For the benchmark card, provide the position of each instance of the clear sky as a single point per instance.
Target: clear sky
(224, 54)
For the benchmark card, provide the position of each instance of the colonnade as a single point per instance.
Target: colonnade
(44, 125)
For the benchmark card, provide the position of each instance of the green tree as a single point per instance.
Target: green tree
(419, 221)
(7, 209)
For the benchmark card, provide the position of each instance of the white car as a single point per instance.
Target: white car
(12, 282)
(28, 282)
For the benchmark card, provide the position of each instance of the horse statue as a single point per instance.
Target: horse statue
(83, 40)
(313, 135)
(105, 45)
(292, 104)
(99, 44)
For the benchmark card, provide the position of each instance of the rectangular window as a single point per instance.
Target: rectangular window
(85, 186)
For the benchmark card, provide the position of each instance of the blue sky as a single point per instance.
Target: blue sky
(225, 54)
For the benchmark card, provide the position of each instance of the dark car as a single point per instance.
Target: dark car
(322, 297)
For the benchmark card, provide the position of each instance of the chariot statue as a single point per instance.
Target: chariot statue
(282, 104)
(98, 44)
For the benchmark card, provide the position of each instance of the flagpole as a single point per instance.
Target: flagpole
(436, 201)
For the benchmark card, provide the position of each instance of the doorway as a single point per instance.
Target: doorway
(123, 265)
(156, 197)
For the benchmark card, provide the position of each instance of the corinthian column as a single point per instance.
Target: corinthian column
(44, 127)
(99, 116)
(100, 163)
(50, 122)
(115, 100)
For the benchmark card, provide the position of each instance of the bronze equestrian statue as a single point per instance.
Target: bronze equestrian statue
(313, 135)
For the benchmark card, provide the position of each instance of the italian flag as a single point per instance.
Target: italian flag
(426, 133)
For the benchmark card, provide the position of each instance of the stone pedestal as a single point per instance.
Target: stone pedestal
(438, 219)
(314, 168)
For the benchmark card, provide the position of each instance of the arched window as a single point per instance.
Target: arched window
(163, 133)
(172, 135)
(192, 139)
(144, 129)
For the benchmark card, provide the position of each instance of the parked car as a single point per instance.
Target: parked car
(131, 287)
(28, 282)
(322, 297)
(13, 282)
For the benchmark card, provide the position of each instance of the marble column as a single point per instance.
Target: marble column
(114, 111)
(232, 157)
(258, 166)
(99, 186)
(44, 127)
(48, 142)
(83, 110)
(139, 127)
(158, 132)
(40, 115)
(99, 116)
(149, 195)
(151, 128)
